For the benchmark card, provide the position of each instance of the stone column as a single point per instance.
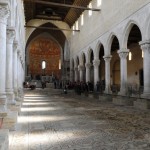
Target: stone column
(88, 66)
(18, 74)
(4, 13)
(9, 66)
(71, 75)
(145, 46)
(123, 67)
(107, 74)
(76, 74)
(15, 70)
(96, 64)
(81, 70)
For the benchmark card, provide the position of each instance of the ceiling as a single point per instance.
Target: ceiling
(54, 10)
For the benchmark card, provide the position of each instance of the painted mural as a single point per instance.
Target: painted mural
(44, 49)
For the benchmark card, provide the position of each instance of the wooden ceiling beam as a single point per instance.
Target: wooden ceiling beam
(50, 28)
(63, 5)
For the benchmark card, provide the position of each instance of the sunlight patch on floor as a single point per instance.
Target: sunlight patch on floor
(38, 119)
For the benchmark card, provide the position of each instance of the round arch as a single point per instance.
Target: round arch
(127, 31)
(110, 40)
(147, 29)
(90, 51)
(98, 48)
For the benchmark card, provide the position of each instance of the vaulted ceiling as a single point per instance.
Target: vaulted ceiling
(63, 10)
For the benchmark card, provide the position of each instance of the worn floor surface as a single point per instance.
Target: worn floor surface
(63, 122)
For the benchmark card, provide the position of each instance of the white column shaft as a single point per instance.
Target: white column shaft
(145, 46)
(88, 65)
(107, 74)
(9, 66)
(123, 67)
(4, 13)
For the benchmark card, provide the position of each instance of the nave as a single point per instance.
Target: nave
(51, 120)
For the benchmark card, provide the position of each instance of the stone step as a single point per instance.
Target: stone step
(4, 139)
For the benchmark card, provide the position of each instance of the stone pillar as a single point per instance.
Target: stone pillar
(123, 67)
(71, 75)
(9, 66)
(88, 66)
(4, 13)
(145, 46)
(76, 74)
(15, 70)
(96, 64)
(81, 70)
(107, 74)
(18, 74)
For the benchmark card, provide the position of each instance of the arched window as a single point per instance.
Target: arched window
(77, 26)
(90, 11)
(82, 20)
(99, 3)
(43, 64)
(130, 56)
(73, 28)
(142, 54)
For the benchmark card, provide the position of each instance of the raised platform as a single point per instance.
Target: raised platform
(125, 101)
(105, 98)
(142, 104)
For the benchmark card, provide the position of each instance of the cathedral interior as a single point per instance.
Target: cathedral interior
(75, 75)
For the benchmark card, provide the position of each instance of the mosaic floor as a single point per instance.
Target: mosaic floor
(67, 122)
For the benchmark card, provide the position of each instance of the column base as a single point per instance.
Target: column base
(146, 96)
(10, 98)
(142, 104)
(108, 91)
(3, 102)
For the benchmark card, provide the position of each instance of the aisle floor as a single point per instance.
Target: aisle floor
(67, 122)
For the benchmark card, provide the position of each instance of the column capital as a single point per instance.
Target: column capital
(75, 68)
(107, 58)
(88, 65)
(81, 67)
(145, 45)
(123, 53)
(10, 35)
(96, 62)
(4, 13)
(15, 45)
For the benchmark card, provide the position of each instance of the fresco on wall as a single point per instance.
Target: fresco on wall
(44, 49)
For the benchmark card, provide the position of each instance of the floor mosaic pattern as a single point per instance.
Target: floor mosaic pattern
(68, 122)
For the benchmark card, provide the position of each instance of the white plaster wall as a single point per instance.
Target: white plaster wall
(114, 18)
